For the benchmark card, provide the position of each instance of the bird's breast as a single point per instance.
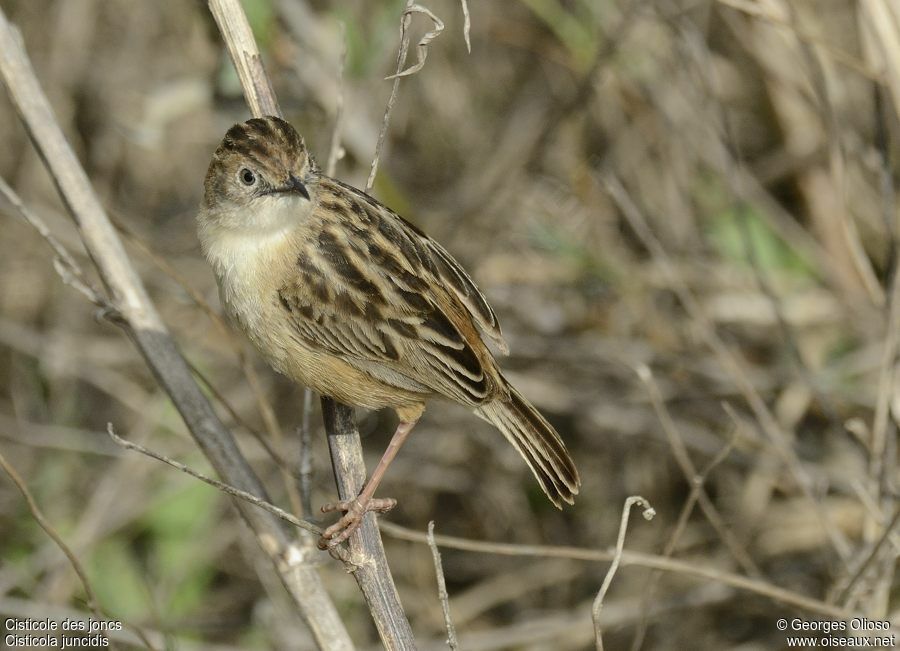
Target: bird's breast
(249, 270)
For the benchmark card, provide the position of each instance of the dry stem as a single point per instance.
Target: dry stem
(628, 558)
(617, 558)
(442, 589)
(143, 324)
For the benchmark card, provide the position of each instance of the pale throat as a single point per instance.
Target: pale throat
(267, 215)
(245, 244)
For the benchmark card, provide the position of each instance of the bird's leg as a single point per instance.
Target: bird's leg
(355, 509)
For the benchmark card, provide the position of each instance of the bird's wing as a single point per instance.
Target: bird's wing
(432, 258)
(366, 293)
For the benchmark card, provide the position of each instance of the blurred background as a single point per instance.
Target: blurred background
(684, 215)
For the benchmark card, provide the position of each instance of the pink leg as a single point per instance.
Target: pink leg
(355, 509)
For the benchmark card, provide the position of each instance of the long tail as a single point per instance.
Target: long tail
(538, 443)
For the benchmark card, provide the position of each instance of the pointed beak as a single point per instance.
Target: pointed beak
(295, 186)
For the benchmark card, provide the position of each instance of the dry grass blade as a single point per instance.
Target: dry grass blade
(422, 45)
(467, 24)
(304, 433)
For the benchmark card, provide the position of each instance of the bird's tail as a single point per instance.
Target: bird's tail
(538, 443)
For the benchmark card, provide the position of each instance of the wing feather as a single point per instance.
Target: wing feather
(423, 251)
(373, 295)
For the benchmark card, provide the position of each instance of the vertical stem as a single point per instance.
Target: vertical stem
(372, 572)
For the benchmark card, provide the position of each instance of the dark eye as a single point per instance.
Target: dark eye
(247, 177)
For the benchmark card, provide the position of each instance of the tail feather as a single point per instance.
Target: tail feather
(538, 443)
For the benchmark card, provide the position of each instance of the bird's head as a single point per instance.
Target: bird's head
(260, 175)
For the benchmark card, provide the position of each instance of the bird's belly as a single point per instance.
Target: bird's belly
(327, 374)
(249, 278)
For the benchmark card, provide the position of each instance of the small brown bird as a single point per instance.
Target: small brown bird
(344, 296)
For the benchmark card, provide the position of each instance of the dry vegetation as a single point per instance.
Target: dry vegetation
(684, 215)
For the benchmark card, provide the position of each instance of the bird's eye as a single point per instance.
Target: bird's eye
(247, 177)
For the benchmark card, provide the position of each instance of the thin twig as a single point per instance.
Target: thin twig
(628, 558)
(442, 589)
(225, 488)
(648, 514)
(696, 488)
(279, 460)
(50, 530)
(64, 262)
(401, 59)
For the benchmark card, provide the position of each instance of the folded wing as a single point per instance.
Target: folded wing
(370, 292)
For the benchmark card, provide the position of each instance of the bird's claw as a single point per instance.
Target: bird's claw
(354, 510)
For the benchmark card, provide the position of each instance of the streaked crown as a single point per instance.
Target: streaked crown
(269, 146)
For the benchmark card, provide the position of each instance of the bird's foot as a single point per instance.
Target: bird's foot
(354, 510)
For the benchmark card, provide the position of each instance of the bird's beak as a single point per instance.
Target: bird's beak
(294, 185)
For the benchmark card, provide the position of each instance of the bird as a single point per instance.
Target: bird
(342, 295)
